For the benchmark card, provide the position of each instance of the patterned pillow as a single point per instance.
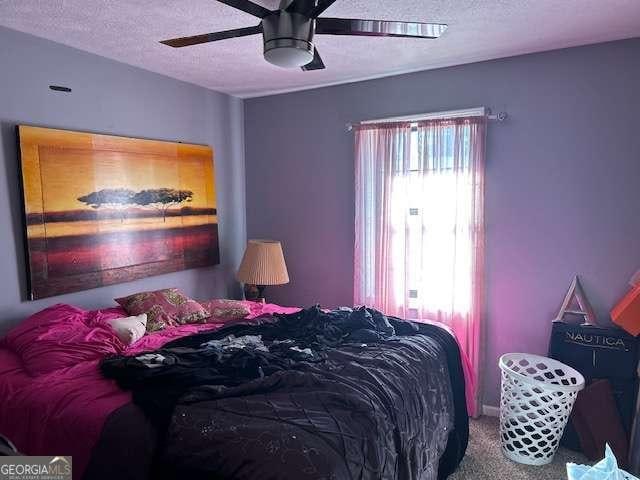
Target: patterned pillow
(164, 308)
(223, 310)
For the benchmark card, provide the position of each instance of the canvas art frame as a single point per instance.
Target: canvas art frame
(104, 209)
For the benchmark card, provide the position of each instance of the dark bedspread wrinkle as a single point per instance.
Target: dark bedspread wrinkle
(347, 394)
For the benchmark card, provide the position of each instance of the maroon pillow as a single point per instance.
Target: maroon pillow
(597, 422)
(164, 308)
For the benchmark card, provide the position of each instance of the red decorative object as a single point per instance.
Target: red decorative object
(626, 314)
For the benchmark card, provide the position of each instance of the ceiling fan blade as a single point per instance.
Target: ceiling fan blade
(248, 7)
(212, 37)
(378, 28)
(310, 8)
(315, 64)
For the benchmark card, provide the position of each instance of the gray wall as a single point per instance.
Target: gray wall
(110, 97)
(562, 186)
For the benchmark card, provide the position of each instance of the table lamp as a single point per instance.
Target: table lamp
(262, 265)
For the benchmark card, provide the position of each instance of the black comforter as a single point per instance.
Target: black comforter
(313, 395)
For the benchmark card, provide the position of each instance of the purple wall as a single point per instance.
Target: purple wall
(110, 97)
(562, 190)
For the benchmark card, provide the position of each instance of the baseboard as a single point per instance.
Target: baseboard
(490, 411)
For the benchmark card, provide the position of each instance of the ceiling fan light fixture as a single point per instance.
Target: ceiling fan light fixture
(288, 39)
(289, 53)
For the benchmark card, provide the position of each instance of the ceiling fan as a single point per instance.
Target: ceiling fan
(288, 32)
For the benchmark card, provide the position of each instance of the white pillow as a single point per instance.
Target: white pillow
(130, 329)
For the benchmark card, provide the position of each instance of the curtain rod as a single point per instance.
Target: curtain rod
(469, 112)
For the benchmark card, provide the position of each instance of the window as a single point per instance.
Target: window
(419, 228)
(430, 224)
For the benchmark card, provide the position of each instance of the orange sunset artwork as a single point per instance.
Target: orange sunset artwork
(101, 209)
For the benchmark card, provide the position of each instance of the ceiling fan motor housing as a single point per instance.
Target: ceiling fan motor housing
(288, 39)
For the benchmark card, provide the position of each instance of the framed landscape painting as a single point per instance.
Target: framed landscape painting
(102, 209)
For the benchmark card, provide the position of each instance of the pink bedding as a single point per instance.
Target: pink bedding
(53, 398)
(467, 369)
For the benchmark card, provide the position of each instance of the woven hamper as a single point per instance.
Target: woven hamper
(537, 396)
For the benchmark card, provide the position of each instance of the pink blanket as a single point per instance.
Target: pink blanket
(53, 398)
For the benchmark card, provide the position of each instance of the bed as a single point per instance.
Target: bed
(356, 419)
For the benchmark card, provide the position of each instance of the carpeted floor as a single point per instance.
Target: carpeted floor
(484, 459)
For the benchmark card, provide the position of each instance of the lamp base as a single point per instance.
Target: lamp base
(254, 293)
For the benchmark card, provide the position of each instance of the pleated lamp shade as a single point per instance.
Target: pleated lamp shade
(263, 264)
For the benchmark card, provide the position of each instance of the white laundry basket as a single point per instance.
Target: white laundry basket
(537, 397)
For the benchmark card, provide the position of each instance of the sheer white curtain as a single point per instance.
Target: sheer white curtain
(419, 225)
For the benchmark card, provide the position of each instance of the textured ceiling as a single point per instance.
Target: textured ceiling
(129, 31)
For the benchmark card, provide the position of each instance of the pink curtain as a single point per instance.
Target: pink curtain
(419, 245)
